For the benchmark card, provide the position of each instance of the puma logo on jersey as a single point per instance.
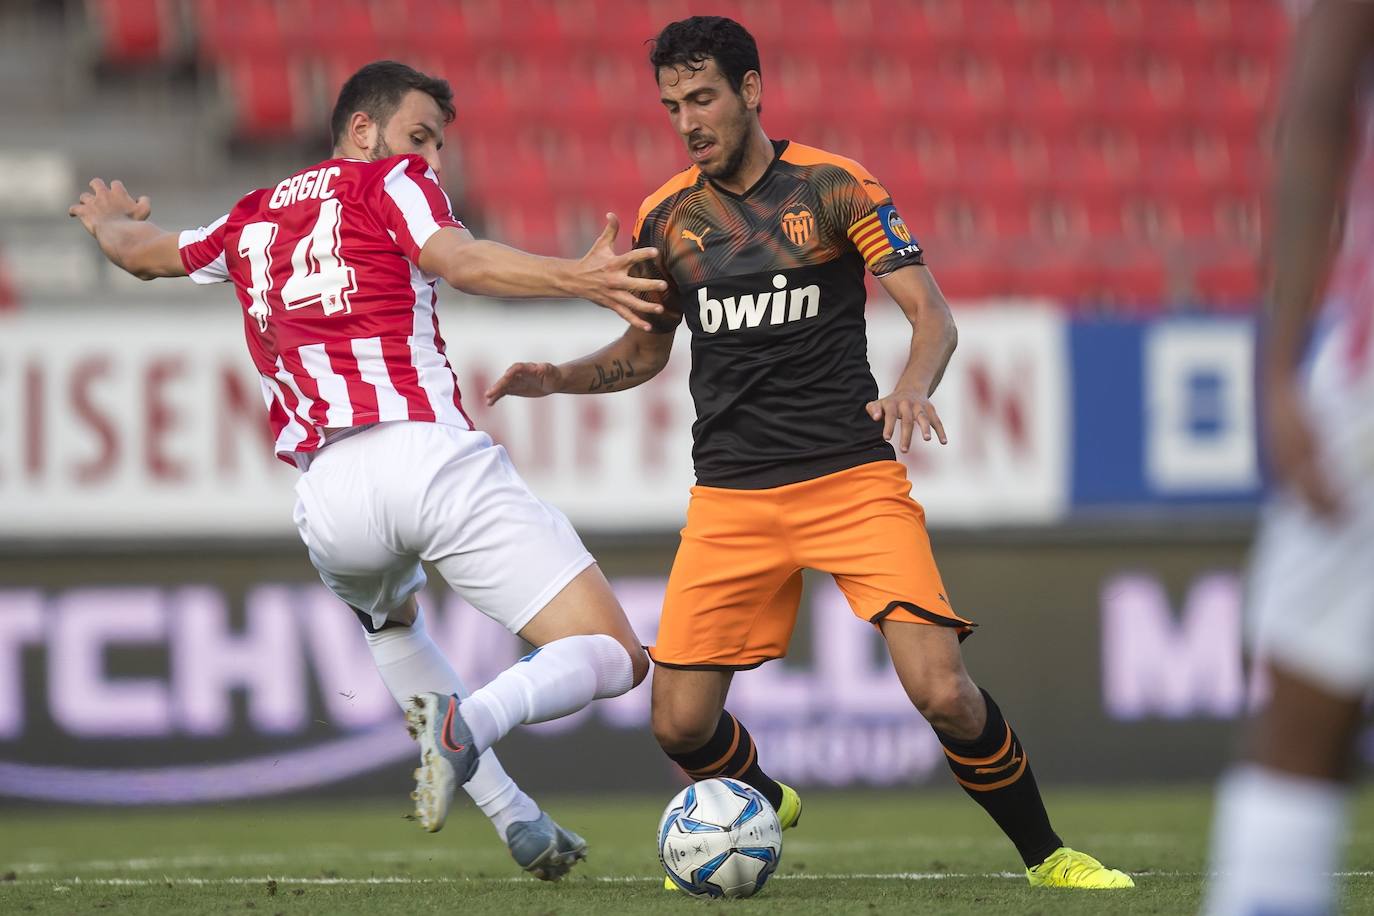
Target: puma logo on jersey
(750, 310)
(699, 239)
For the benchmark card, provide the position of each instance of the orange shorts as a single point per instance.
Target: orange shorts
(736, 583)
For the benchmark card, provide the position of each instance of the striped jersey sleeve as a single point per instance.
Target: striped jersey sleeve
(414, 206)
(865, 209)
(202, 252)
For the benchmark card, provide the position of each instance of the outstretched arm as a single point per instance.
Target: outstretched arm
(120, 226)
(631, 359)
(933, 339)
(486, 268)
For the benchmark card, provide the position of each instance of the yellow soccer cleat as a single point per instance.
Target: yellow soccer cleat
(789, 812)
(1070, 868)
(789, 815)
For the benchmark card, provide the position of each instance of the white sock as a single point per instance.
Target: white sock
(1276, 841)
(555, 680)
(410, 663)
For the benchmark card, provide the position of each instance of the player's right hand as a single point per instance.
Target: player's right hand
(907, 410)
(604, 277)
(102, 203)
(1292, 449)
(527, 380)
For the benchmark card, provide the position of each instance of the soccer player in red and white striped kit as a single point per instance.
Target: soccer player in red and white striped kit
(336, 269)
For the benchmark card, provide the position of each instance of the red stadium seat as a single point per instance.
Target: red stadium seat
(1134, 280)
(1069, 275)
(1257, 25)
(1008, 217)
(1131, 133)
(1149, 97)
(1106, 217)
(265, 100)
(964, 277)
(228, 28)
(627, 25)
(1004, 30)
(337, 26)
(1237, 218)
(534, 229)
(809, 25)
(428, 27)
(133, 32)
(1092, 23)
(993, 172)
(1056, 101)
(1231, 281)
(1192, 219)
(1059, 219)
(1085, 169)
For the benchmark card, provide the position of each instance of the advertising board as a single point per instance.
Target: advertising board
(180, 676)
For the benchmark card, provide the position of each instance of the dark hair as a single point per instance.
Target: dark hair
(691, 42)
(377, 90)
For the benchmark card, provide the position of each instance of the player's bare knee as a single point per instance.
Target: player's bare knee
(679, 732)
(1306, 731)
(953, 706)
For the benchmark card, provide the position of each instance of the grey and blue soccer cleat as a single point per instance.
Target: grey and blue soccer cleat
(448, 757)
(543, 848)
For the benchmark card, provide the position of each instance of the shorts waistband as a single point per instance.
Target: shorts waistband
(331, 436)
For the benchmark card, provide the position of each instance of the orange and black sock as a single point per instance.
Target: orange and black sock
(730, 752)
(994, 771)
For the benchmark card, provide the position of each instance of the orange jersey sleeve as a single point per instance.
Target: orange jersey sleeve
(859, 204)
(878, 232)
(649, 233)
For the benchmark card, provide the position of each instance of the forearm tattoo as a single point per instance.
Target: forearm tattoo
(612, 379)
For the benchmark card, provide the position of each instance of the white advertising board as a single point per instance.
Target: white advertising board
(149, 422)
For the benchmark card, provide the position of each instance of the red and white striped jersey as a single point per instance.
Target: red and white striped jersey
(339, 316)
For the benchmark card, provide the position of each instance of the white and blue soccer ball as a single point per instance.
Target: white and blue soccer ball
(719, 838)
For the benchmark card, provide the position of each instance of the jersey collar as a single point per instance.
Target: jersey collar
(779, 147)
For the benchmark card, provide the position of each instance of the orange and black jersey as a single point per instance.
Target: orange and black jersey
(771, 283)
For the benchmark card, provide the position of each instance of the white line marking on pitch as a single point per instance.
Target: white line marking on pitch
(72, 883)
(157, 863)
(334, 854)
(400, 879)
(603, 879)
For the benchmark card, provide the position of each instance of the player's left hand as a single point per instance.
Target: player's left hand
(609, 279)
(910, 409)
(1291, 444)
(102, 203)
(527, 380)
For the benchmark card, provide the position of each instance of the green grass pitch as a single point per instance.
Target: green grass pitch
(922, 851)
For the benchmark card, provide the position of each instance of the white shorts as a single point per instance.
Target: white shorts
(371, 506)
(1312, 581)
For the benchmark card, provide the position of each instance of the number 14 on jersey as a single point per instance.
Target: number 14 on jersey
(318, 275)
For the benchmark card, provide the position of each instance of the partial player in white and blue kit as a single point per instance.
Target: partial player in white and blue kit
(1281, 811)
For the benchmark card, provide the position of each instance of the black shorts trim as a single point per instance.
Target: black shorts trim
(366, 621)
(938, 620)
(747, 667)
